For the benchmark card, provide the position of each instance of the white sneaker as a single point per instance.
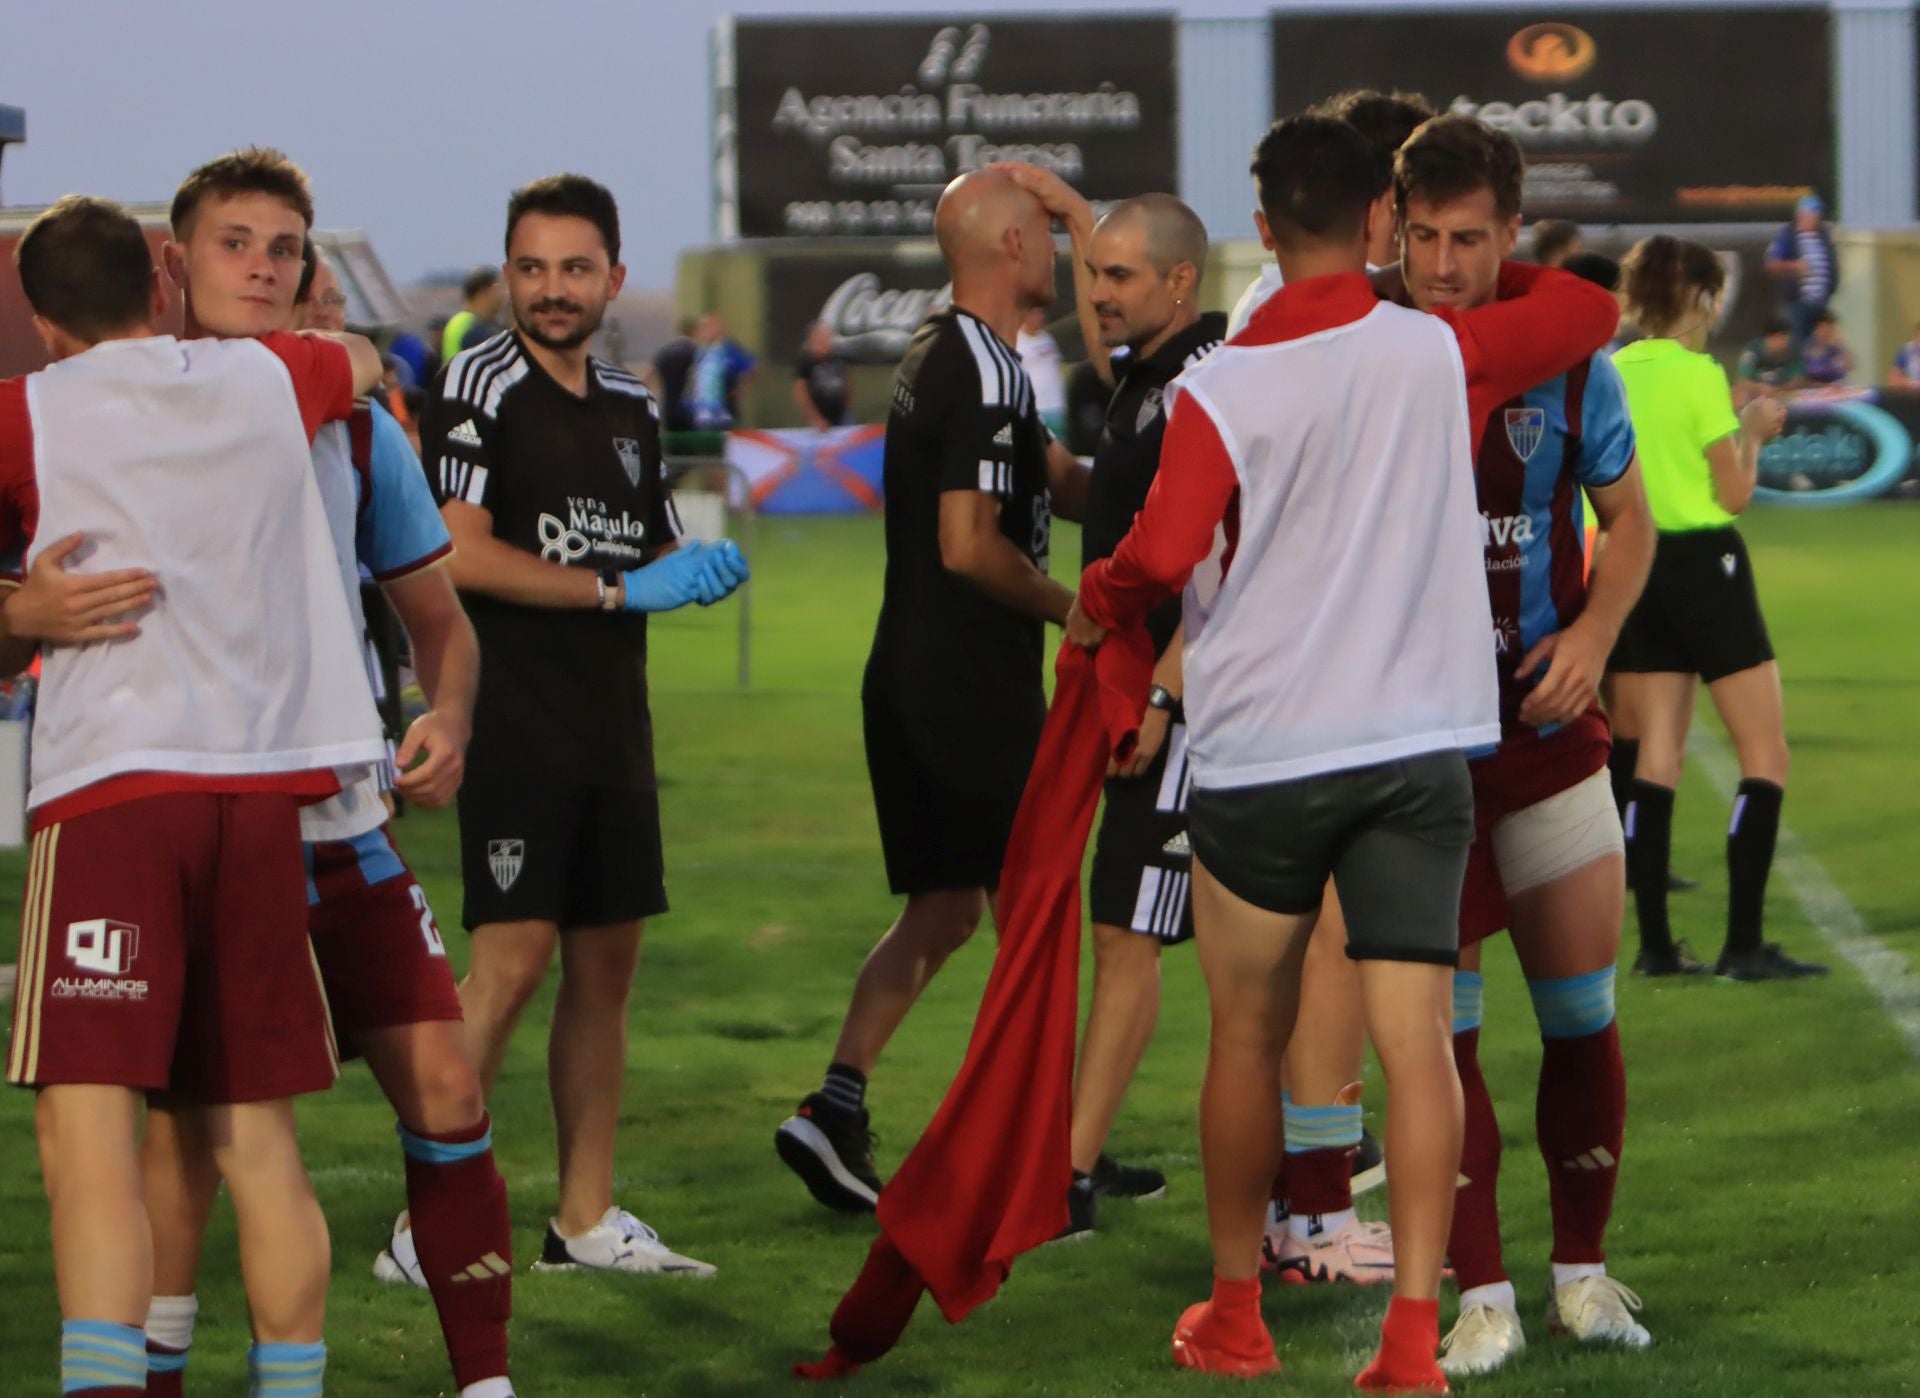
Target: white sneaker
(619, 1242)
(1359, 1252)
(1484, 1338)
(1597, 1310)
(398, 1263)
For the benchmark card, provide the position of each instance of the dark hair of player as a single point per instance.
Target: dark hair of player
(1825, 318)
(1383, 119)
(1552, 236)
(478, 280)
(86, 267)
(1315, 179)
(1452, 156)
(255, 170)
(1595, 267)
(1665, 277)
(568, 195)
(1776, 325)
(309, 269)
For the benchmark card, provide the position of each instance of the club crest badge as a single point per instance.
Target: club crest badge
(1151, 407)
(505, 858)
(1729, 564)
(1525, 428)
(629, 451)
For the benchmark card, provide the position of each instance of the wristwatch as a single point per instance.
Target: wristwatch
(609, 580)
(1160, 697)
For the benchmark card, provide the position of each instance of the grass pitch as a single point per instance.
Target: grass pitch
(1766, 1209)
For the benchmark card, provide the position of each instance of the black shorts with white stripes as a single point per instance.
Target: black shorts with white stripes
(1142, 861)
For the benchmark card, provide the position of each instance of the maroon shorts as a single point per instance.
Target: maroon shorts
(1524, 772)
(378, 946)
(164, 946)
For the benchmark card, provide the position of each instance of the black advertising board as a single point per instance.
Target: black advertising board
(852, 127)
(1658, 115)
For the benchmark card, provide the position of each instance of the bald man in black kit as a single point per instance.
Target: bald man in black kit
(954, 699)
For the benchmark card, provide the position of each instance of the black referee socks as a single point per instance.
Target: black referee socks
(845, 1087)
(1750, 841)
(1620, 764)
(1649, 826)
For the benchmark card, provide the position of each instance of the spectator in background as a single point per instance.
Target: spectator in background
(1041, 358)
(1906, 363)
(672, 363)
(477, 319)
(822, 380)
(1087, 398)
(1825, 358)
(1802, 257)
(720, 368)
(411, 350)
(1595, 267)
(1554, 241)
(1768, 365)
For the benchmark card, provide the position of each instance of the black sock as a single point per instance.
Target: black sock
(844, 1087)
(1649, 850)
(1620, 765)
(1750, 841)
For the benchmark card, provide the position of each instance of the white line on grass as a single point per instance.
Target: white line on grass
(1886, 972)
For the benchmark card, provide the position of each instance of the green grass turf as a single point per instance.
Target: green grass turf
(1766, 1210)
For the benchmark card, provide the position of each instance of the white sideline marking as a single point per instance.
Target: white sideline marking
(1886, 972)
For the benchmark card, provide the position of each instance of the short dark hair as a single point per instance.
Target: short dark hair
(254, 170)
(568, 195)
(1315, 179)
(478, 280)
(309, 269)
(1825, 317)
(86, 267)
(1383, 119)
(1452, 156)
(1595, 267)
(1776, 325)
(1553, 235)
(1663, 275)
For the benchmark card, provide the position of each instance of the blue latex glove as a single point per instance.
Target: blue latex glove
(725, 569)
(667, 583)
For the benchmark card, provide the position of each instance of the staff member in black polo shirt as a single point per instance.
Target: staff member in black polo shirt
(953, 699)
(1139, 291)
(547, 465)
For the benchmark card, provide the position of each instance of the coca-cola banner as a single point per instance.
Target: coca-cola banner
(872, 300)
(837, 127)
(1624, 113)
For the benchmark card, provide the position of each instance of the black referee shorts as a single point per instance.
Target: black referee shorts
(1393, 837)
(579, 856)
(1142, 857)
(945, 795)
(1700, 614)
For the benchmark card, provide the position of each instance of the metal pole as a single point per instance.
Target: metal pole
(678, 468)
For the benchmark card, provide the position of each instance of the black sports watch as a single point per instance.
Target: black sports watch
(1160, 697)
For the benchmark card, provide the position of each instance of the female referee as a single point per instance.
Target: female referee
(1699, 618)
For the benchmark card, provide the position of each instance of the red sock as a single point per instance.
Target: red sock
(1581, 1116)
(1409, 1340)
(1320, 1181)
(168, 1385)
(460, 1229)
(1474, 1245)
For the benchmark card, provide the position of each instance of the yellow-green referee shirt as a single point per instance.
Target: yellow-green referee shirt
(1680, 404)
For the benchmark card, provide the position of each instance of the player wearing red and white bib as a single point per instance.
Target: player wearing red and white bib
(164, 939)
(1547, 859)
(389, 986)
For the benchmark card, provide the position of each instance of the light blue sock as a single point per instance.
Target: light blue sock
(286, 1371)
(1320, 1128)
(99, 1354)
(1469, 1000)
(1574, 1006)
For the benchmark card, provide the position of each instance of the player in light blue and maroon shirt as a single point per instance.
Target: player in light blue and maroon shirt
(1548, 857)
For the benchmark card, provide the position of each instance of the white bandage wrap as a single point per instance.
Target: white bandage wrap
(1552, 838)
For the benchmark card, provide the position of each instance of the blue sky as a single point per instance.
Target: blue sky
(415, 118)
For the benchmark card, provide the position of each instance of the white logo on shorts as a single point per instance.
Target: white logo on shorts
(1728, 563)
(103, 946)
(505, 858)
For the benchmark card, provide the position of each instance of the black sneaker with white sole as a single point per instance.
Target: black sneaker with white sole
(1369, 1164)
(1080, 1210)
(831, 1150)
(1765, 963)
(1116, 1181)
(1676, 960)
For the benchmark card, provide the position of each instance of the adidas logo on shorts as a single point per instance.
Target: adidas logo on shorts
(1180, 847)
